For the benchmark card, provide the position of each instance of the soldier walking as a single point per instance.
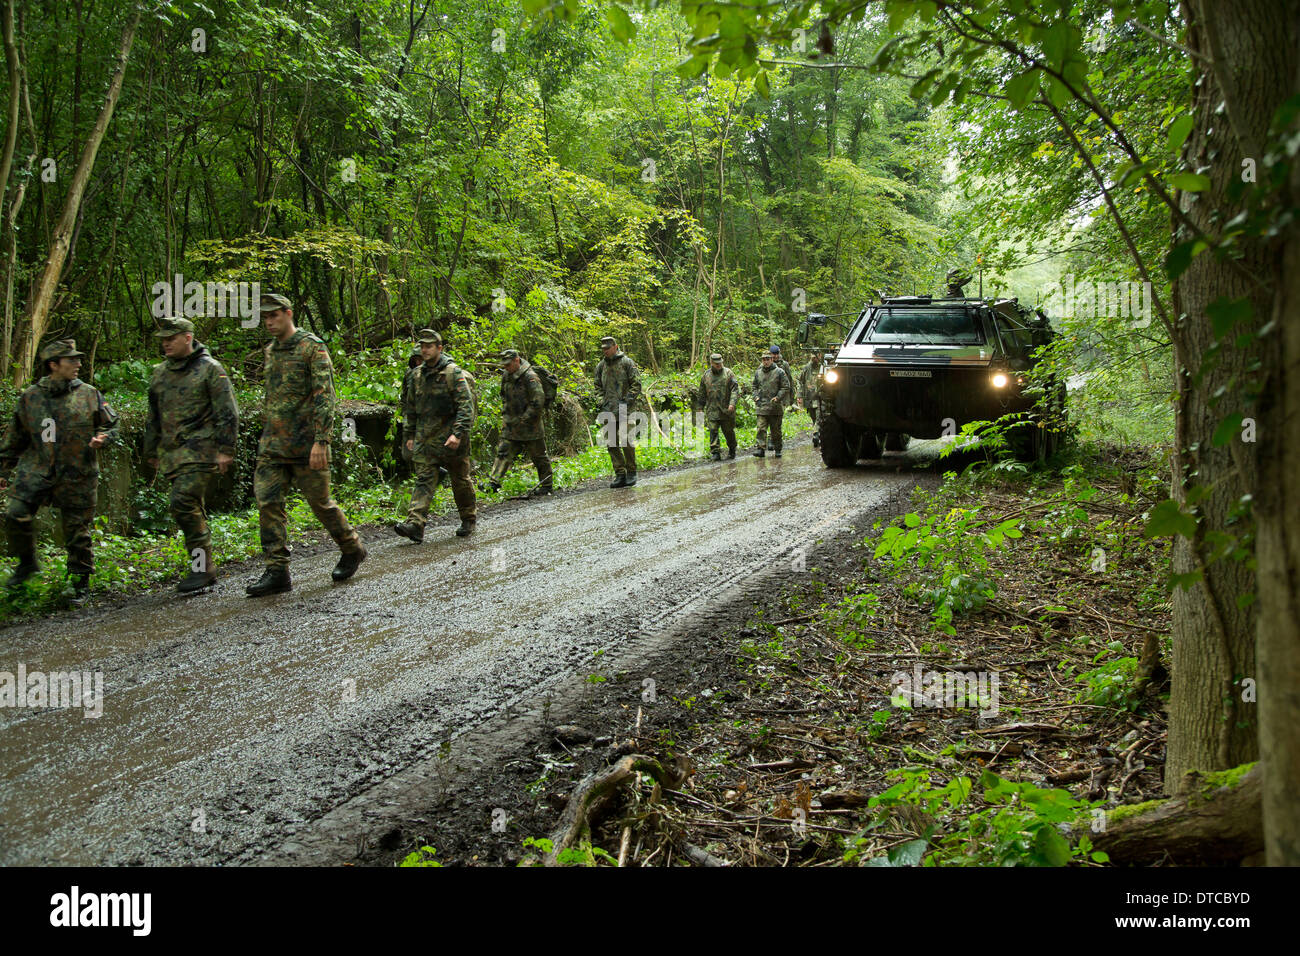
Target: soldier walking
(523, 400)
(618, 385)
(719, 392)
(771, 391)
(810, 394)
(50, 456)
(784, 366)
(297, 426)
(190, 437)
(437, 416)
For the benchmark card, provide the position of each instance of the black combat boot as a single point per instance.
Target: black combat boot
(619, 481)
(22, 545)
(348, 562)
(272, 581)
(541, 491)
(631, 479)
(409, 529)
(716, 456)
(27, 566)
(759, 453)
(202, 578)
(731, 454)
(466, 528)
(777, 453)
(817, 440)
(80, 588)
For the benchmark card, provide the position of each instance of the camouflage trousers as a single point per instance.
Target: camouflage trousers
(728, 428)
(773, 421)
(271, 481)
(188, 505)
(623, 458)
(510, 449)
(460, 468)
(76, 516)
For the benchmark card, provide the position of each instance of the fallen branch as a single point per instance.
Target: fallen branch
(593, 794)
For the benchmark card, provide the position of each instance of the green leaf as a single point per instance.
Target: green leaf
(1168, 520)
(1021, 89)
(620, 24)
(1051, 846)
(912, 519)
(1228, 429)
(1190, 182)
(1178, 131)
(1224, 313)
(1181, 255)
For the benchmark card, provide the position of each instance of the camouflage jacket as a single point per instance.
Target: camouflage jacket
(718, 391)
(618, 382)
(299, 406)
(438, 404)
(522, 404)
(771, 389)
(810, 382)
(192, 412)
(789, 375)
(48, 443)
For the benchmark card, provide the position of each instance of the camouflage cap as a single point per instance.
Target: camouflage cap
(429, 337)
(270, 302)
(173, 325)
(607, 341)
(715, 357)
(60, 348)
(768, 354)
(507, 355)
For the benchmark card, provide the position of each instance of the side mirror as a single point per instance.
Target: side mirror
(802, 337)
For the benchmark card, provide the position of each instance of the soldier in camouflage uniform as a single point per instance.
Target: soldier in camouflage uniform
(50, 456)
(190, 437)
(784, 366)
(618, 386)
(957, 278)
(718, 394)
(297, 426)
(771, 390)
(436, 421)
(809, 392)
(523, 400)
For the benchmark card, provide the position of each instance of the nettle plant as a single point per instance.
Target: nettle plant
(950, 551)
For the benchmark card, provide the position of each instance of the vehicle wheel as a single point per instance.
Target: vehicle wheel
(896, 441)
(873, 444)
(835, 447)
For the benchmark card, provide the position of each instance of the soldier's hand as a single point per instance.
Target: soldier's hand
(452, 442)
(223, 462)
(410, 444)
(731, 409)
(319, 459)
(98, 441)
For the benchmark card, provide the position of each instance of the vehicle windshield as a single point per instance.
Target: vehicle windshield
(923, 326)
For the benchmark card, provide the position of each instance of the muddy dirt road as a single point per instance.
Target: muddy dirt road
(233, 728)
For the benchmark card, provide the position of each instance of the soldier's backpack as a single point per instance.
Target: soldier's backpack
(550, 384)
(470, 380)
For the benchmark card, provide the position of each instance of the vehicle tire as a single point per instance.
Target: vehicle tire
(835, 447)
(873, 444)
(896, 441)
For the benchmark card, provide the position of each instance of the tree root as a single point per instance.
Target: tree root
(593, 794)
(1215, 819)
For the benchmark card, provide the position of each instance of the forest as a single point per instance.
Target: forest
(695, 178)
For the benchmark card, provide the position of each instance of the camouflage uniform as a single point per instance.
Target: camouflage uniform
(48, 451)
(618, 386)
(771, 391)
(789, 375)
(298, 411)
(193, 418)
(718, 392)
(809, 380)
(439, 404)
(523, 400)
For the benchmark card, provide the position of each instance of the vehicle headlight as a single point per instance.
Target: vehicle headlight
(999, 380)
(831, 376)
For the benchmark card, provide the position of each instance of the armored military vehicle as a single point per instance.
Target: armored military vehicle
(922, 366)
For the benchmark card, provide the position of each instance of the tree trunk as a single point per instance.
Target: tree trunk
(38, 308)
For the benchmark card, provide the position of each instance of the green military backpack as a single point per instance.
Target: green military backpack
(550, 384)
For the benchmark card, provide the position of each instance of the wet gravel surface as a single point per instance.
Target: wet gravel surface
(296, 727)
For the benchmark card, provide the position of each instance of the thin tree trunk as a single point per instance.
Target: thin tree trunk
(38, 308)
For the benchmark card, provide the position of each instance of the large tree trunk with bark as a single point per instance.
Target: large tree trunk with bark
(38, 307)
